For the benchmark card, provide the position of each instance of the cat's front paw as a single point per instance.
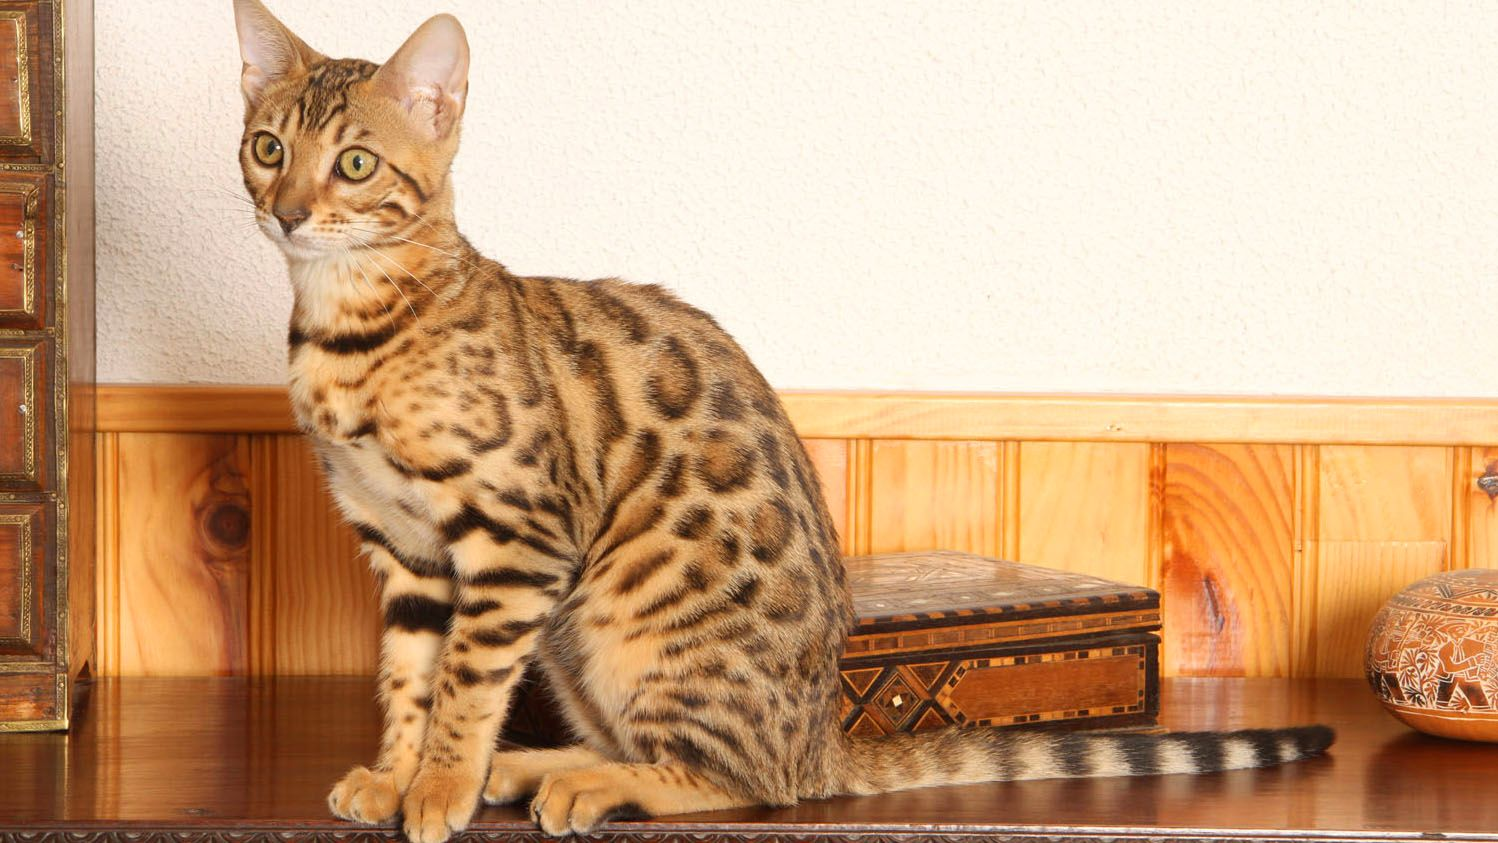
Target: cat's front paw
(365, 796)
(439, 804)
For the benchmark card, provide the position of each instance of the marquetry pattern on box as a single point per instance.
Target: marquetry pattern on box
(946, 638)
(1273, 529)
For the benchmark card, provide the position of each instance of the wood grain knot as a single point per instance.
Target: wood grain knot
(227, 526)
(223, 515)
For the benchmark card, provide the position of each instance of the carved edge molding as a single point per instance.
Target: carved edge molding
(736, 833)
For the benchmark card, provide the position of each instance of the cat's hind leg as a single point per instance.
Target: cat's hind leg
(515, 774)
(578, 801)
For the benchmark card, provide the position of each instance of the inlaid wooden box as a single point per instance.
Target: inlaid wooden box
(946, 638)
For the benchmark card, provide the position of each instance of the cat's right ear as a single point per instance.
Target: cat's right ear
(271, 52)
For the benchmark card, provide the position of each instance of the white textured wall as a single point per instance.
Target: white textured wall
(1267, 197)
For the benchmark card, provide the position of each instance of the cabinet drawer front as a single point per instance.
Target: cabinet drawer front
(25, 87)
(23, 414)
(23, 247)
(31, 701)
(23, 579)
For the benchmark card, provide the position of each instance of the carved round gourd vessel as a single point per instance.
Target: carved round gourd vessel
(1433, 655)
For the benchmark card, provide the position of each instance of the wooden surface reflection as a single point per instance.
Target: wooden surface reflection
(202, 756)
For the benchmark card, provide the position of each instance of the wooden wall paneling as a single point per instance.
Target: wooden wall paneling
(1271, 557)
(1384, 518)
(82, 539)
(1385, 493)
(1353, 581)
(1463, 490)
(1482, 509)
(1227, 548)
(1306, 521)
(1156, 554)
(183, 523)
(833, 463)
(1085, 506)
(930, 495)
(260, 632)
(1009, 501)
(107, 562)
(861, 495)
(322, 607)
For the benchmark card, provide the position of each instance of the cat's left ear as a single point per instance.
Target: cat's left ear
(428, 75)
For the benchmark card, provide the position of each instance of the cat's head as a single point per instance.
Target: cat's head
(343, 153)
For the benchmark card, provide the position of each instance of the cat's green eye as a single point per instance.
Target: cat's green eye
(268, 149)
(356, 164)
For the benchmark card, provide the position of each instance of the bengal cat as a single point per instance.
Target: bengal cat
(586, 476)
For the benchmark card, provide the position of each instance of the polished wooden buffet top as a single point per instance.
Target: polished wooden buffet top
(234, 759)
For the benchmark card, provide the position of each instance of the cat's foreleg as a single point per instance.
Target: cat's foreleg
(505, 593)
(416, 609)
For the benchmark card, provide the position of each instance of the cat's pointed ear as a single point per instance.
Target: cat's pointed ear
(271, 52)
(428, 75)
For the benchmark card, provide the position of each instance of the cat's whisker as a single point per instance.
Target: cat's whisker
(458, 258)
(224, 209)
(402, 294)
(219, 191)
(407, 271)
(422, 219)
(416, 215)
(353, 267)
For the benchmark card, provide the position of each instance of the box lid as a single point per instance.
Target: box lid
(943, 588)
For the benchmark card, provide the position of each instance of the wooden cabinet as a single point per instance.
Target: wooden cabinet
(46, 358)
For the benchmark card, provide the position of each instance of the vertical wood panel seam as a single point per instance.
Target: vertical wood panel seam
(1154, 565)
(1307, 527)
(864, 495)
(114, 551)
(1009, 500)
(101, 555)
(1459, 554)
(263, 547)
(107, 562)
(850, 498)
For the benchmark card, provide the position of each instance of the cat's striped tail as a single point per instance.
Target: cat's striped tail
(969, 756)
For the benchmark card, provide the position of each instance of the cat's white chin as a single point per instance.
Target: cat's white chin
(296, 246)
(303, 252)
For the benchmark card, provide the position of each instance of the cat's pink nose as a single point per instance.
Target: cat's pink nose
(290, 218)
